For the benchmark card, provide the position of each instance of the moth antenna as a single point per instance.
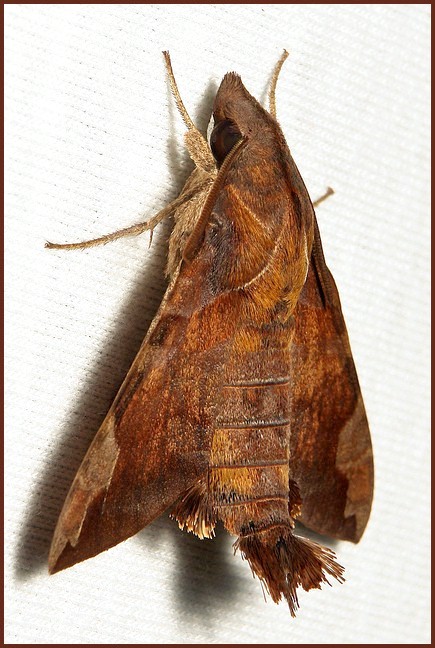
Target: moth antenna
(196, 143)
(274, 81)
(176, 93)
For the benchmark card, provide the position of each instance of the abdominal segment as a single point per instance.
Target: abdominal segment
(249, 475)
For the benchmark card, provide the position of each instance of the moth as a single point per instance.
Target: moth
(243, 404)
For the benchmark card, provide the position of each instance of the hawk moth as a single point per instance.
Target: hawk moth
(243, 403)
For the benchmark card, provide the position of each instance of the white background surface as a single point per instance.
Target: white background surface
(93, 144)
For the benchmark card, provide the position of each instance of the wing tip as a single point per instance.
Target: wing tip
(56, 553)
(63, 555)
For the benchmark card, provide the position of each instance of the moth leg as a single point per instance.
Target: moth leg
(134, 230)
(195, 142)
(328, 192)
(274, 81)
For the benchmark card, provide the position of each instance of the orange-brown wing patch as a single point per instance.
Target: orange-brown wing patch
(331, 455)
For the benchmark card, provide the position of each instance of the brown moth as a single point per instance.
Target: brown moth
(243, 403)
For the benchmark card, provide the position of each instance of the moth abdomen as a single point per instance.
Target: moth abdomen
(249, 483)
(249, 465)
(283, 562)
(255, 502)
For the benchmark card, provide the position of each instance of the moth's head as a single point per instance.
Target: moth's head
(236, 114)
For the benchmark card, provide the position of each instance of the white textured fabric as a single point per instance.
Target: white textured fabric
(94, 144)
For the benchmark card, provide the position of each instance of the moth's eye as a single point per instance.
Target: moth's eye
(222, 139)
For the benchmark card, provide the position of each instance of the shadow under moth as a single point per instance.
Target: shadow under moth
(243, 403)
